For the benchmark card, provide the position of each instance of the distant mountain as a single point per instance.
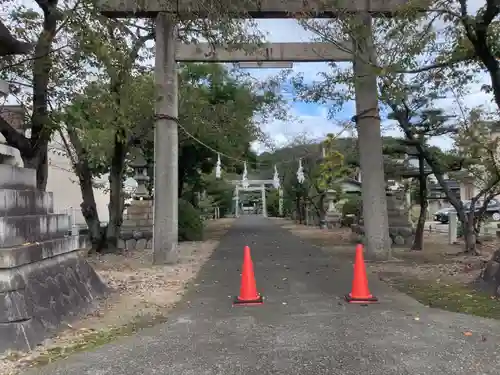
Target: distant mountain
(347, 146)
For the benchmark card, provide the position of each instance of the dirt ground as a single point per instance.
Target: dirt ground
(438, 276)
(141, 296)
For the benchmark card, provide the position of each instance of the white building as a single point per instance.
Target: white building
(62, 181)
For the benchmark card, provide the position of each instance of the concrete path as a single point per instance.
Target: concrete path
(303, 328)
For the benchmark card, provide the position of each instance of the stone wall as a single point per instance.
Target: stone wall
(139, 216)
(401, 230)
(137, 242)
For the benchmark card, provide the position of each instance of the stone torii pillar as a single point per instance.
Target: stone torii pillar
(236, 201)
(166, 175)
(280, 202)
(264, 202)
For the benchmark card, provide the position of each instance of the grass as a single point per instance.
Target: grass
(450, 297)
(91, 340)
(96, 338)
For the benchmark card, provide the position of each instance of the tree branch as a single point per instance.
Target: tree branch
(14, 138)
(445, 64)
(492, 10)
(42, 65)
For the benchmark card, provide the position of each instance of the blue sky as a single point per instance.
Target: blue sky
(312, 118)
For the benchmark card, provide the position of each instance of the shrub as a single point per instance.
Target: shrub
(273, 203)
(353, 206)
(222, 195)
(348, 220)
(190, 222)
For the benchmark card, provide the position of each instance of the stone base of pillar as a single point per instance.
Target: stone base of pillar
(137, 227)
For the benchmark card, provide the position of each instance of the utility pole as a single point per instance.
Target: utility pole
(166, 200)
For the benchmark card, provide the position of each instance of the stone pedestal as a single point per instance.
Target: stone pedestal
(401, 230)
(44, 280)
(137, 227)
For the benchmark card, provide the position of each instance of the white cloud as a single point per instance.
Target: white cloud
(313, 126)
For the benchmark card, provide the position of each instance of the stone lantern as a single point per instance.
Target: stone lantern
(332, 215)
(140, 167)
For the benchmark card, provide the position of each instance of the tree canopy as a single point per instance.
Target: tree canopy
(217, 116)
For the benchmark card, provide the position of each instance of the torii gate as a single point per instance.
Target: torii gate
(167, 52)
(256, 185)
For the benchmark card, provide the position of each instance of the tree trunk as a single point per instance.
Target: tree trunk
(115, 207)
(89, 208)
(42, 170)
(297, 208)
(477, 33)
(469, 233)
(89, 212)
(321, 208)
(40, 164)
(41, 123)
(418, 241)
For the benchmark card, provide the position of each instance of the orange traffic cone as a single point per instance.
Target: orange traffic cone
(248, 290)
(360, 292)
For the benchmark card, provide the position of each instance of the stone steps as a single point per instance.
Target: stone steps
(12, 177)
(34, 252)
(44, 279)
(19, 230)
(25, 202)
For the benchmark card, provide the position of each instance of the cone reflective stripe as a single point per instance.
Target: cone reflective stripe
(248, 290)
(360, 292)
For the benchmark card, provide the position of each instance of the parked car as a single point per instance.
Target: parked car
(492, 211)
(443, 215)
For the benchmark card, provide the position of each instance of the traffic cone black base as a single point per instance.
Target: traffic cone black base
(241, 302)
(362, 301)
